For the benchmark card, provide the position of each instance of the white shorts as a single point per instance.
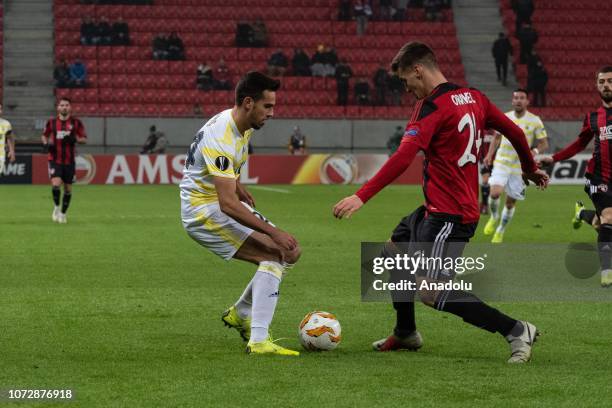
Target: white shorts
(512, 182)
(213, 229)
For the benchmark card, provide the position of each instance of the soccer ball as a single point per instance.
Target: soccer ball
(320, 331)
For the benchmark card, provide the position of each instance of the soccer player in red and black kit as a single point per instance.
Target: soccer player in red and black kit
(60, 136)
(447, 124)
(597, 125)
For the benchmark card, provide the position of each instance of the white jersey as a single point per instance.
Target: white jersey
(218, 150)
(533, 128)
(5, 130)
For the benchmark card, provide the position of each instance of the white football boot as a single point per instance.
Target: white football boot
(521, 346)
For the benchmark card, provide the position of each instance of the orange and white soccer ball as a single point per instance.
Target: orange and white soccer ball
(320, 331)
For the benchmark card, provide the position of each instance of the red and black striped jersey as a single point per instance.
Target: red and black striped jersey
(448, 126)
(62, 136)
(598, 125)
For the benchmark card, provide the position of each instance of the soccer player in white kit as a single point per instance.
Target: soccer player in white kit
(218, 212)
(507, 174)
(6, 139)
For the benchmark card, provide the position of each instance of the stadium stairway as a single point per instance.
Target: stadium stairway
(478, 23)
(28, 64)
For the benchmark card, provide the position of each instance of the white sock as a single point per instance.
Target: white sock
(505, 218)
(243, 305)
(265, 296)
(494, 207)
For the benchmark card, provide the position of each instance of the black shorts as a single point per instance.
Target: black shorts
(600, 194)
(436, 235)
(64, 171)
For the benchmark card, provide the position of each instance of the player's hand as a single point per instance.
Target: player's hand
(284, 240)
(539, 178)
(11, 157)
(488, 161)
(544, 161)
(347, 206)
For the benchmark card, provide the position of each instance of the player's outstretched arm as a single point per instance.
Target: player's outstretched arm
(230, 205)
(10, 140)
(392, 169)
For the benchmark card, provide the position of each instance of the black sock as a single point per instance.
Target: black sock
(473, 311)
(587, 216)
(56, 195)
(485, 190)
(604, 245)
(66, 202)
(403, 301)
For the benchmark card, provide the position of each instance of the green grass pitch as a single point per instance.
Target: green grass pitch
(121, 306)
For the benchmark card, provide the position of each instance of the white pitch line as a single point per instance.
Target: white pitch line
(276, 190)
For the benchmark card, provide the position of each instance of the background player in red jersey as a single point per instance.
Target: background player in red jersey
(597, 125)
(447, 125)
(60, 136)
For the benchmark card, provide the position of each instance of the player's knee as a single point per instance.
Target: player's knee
(605, 219)
(428, 297)
(291, 257)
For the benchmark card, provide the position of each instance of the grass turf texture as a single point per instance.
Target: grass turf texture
(121, 306)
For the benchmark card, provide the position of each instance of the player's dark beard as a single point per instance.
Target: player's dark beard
(606, 98)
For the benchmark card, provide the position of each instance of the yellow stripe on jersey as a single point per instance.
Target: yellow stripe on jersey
(206, 195)
(216, 228)
(532, 127)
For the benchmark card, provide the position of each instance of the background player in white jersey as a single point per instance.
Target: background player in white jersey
(507, 173)
(217, 212)
(6, 140)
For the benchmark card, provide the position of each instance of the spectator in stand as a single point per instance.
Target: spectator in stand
(433, 10)
(537, 79)
(362, 91)
(344, 14)
(244, 34)
(343, 75)
(385, 9)
(501, 50)
(400, 11)
(176, 49)
(277, 63)
(260, 34)
(297, 142)
(78, 74)
(204, 77)
(300, 63)
(396, 86)
(156, 142)
(160, 47)
(330, 60)
(105, 32)
(121, 32)
(317, 62)
(223, 80)
(61, 74)
(527, 37)
(89, 31)
(381, 83)
(523, 10)
(363, 12)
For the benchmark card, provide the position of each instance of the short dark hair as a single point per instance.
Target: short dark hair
(523, 90)
(253, 84)
(64, 98)
(412, 53)
(604, 70)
